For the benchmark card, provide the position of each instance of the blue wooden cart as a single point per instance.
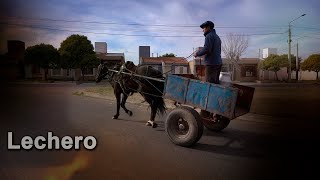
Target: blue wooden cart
(218, 103)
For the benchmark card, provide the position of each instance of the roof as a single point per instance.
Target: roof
(249, 61)
(111, 56)
(166, 60)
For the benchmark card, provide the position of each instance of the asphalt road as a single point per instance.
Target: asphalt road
(127, 149)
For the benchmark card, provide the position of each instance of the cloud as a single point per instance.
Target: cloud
(268, 16)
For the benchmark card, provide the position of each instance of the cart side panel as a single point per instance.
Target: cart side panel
(176, 88)
(206, 96)
(197, 93)
(222, 100)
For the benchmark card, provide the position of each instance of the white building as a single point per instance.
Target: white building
(268, 51)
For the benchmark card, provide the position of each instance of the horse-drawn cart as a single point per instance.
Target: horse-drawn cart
(218, 103)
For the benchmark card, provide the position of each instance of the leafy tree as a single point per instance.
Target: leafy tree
(168, 55)
(88, 61)
(43, 55)
(75, 51)
(275, 63)
(312, 63)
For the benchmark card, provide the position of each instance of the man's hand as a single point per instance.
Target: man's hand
(195, 54)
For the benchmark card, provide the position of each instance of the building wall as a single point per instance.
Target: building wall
(270, 75)
(305, 75)
(144, 51)
(247, 73)
(100, 47)
(282, 75)
(268, 51)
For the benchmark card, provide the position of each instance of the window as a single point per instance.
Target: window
(249, 71)
(181, 69)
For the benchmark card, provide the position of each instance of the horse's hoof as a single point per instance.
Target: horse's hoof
(154, 125)
(130, 113)
(149, 123)
(115, 117)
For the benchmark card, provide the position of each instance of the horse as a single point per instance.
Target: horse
(116, 84)
(150, 90)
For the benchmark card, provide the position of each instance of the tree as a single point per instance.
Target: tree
(312, 63)
(43, 55)
(275, 63)
(168, 55)
(75, 50)
(87, 62)
(233, 46)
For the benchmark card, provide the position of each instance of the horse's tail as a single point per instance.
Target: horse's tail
(161, 105)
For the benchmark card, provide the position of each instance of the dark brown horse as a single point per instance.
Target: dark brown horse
(126, 85)
(118, 89)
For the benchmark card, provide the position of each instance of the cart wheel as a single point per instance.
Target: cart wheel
(221, 123)
(183, 126)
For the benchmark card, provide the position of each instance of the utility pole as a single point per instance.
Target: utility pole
(297, 63)
(289, 42)
(289, 54)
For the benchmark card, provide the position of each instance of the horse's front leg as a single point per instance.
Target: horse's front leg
(118, 96)
(123, 104)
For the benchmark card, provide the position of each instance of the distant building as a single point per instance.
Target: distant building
(268, 51)
(12, 63)
(111, 59)
(144, 51)
(100, 47)
(247, 71)
(167, 65)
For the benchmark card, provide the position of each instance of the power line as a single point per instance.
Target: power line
(140, 24)
(122, 34)
(307, 27)
(91, 32)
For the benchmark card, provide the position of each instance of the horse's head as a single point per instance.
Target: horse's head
(102, 71)
(130, 65)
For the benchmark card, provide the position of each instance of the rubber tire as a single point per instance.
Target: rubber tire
(200, 124)
(218, 126)
(193, 119)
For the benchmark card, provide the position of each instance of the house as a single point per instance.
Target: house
(247, 71)
(111, 58)
(167, 65)
(12, 63)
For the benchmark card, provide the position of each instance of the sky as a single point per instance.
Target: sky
(167, 26)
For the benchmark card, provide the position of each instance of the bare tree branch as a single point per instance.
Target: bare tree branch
(233, 46)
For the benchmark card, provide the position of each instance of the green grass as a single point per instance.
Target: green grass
(77, 93)
(104, 91)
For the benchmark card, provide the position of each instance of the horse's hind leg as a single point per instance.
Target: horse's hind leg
(123, 105)
(152, 116)
(118, 96)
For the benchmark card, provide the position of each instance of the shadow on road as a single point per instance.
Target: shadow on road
(247, 144)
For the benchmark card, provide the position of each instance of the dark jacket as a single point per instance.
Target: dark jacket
(212, 49)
